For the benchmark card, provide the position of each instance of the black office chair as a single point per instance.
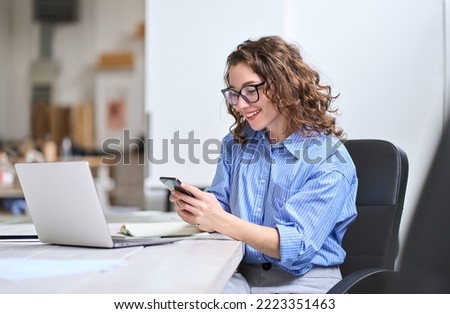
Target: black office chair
(425, 258)
(372, 242)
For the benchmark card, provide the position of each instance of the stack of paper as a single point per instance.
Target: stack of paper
(159, 229)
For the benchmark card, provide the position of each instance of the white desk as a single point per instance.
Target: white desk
(188, 266)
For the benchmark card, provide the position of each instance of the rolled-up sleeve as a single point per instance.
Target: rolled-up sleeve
(310, 222)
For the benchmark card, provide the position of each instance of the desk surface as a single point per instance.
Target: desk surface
(188, 266)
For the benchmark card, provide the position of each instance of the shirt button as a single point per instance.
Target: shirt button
(258, 209)
(266, 266)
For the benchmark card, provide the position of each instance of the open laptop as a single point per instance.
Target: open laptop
(64, 206)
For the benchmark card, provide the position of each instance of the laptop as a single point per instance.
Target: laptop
(65, 208)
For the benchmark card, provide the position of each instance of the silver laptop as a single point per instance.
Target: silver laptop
(64, 206)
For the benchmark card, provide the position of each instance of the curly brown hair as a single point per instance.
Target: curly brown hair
(292, 85)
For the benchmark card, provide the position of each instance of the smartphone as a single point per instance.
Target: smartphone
(173, 183)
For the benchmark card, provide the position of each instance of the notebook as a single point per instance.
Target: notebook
(65, 208)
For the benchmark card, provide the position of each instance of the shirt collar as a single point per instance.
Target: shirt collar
(293, 143)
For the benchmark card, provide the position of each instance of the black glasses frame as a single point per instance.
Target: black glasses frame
(239, 93)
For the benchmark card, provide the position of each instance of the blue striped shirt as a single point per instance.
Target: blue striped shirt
(303, 186)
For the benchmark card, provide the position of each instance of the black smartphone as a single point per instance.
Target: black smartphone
(173, 183)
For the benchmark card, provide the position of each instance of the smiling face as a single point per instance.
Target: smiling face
(261, 115)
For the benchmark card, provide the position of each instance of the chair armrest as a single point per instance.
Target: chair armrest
(370, 280)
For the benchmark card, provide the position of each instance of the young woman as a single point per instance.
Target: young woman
(285, 185)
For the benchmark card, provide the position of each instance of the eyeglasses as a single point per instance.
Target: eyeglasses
(249, 93)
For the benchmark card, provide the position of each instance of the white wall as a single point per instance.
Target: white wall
(187, 45)
(103, 26)
(20, 47)
(3, 65)
(385, 58)
(447, 58)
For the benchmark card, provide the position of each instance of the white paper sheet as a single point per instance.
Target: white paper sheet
(154, 229)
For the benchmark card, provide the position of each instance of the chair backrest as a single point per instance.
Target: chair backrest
(382, 170)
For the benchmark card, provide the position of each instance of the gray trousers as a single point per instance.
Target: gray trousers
(252, 278)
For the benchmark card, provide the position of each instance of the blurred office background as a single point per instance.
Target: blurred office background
(73, 70)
